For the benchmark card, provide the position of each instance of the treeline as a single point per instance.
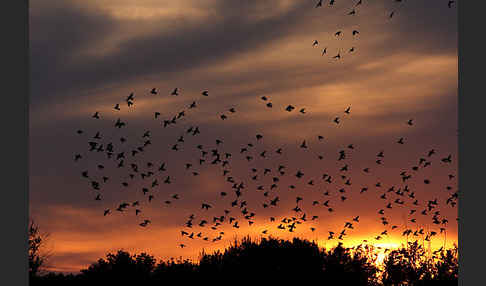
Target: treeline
(271, 259)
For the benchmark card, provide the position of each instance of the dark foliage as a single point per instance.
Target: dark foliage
(413, 266)
(271, 259)
(37, 257)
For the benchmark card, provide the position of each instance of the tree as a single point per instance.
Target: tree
(37, 255)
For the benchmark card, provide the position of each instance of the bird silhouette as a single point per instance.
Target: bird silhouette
(289, 108)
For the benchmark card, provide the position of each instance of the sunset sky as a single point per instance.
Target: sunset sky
(86, 56)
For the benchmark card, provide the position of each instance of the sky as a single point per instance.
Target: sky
(86, 56)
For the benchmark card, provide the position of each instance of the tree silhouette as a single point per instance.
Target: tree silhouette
(37, 257)
(120, 268)
(412, 266)
(272, 259)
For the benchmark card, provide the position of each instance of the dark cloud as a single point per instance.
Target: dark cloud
(67, 30)
(62, 31)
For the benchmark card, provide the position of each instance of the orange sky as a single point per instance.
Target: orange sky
(403, 68)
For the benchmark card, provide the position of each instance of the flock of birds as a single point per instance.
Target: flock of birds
(127, 158)
(355, 32)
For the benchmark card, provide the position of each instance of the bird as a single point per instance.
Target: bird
(96, 115)
(447, 159)
(153, 91)
(175, 91)
(205, 93)
(338, 33)
(410, 122)
(449, 4)
(206, 206)
(355, 32)
(324, 51)
(289, 108)
(315, 43)
(117, 106)
(336, 120)
(303, 145)
(319, 4)
(347, 110)
(130, 97)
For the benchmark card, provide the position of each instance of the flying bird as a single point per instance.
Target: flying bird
(290, 108)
